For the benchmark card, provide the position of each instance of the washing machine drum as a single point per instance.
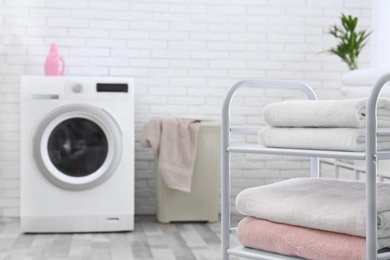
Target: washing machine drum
(78, 147)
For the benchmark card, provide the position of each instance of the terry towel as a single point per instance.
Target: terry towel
(324, 113)
(337, 139)
(299, 241)
(325, 204)
(174, 141)
(364, 77)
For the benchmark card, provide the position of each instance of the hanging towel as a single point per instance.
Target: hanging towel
(324, 113)
(336, 139)
(174, 141)
(299, 241)
(325, 204)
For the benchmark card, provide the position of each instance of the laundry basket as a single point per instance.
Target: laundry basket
(202, 203)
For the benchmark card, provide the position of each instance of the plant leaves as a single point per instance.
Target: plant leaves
(351, 42)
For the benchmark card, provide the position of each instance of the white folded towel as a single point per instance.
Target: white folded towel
(325, 204)
(324, 113)
(336, 139)
(363, 77)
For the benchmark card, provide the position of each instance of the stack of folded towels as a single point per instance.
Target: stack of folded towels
(311, 218)
(322, 125)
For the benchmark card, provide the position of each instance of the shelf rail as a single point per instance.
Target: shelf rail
(371, 168)
(225, 142)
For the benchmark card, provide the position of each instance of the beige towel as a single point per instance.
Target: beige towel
(327, 204)
(174, 141)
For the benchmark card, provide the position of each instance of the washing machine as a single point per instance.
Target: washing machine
(77, 154)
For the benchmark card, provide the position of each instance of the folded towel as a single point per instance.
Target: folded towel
(363, 77)
(324, 113)
(175, 142)
(299, 241)
(325, 204)
(362, 91)
(338, 139)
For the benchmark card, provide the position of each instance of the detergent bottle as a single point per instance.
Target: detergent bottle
(55, 64)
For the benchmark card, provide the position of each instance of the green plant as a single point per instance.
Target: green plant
(351, 42)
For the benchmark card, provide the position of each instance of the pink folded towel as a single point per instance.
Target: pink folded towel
(299, 241)
(174, 141)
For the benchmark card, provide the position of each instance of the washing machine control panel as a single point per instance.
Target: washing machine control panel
(79, 88)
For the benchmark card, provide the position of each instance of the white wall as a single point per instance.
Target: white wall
(184, 54)
(380, 49)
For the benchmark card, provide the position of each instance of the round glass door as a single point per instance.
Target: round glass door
(78, 147)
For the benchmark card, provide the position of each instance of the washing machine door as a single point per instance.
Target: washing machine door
(78, 147)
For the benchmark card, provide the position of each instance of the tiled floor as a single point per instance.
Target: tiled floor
(149, 240)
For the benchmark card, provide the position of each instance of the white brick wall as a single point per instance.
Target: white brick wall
(183, 55)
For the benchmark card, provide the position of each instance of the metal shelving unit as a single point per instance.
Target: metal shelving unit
(370, 156)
